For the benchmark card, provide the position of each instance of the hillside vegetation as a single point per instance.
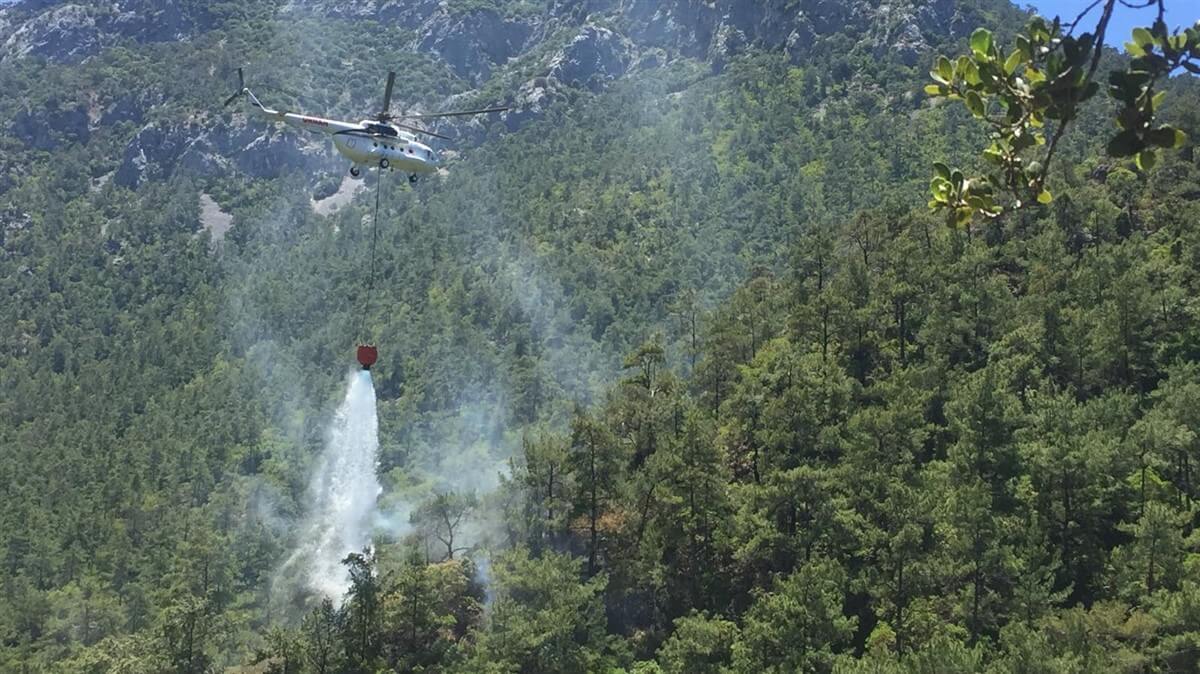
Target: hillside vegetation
(678, 337)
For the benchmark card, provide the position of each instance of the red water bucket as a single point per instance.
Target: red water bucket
(367, 356)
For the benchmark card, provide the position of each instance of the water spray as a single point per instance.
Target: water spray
(344, 489)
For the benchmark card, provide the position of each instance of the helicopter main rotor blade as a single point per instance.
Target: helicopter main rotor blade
(387, 94)
(417, 129)
(456, 113)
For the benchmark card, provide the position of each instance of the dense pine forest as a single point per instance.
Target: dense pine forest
(678, 371)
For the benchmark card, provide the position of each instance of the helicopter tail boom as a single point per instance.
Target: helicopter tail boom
(256, 107)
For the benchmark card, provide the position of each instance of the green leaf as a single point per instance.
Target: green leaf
(981, 43)
(1142, 37)
(1038, 29)
(1134, 49)
(974, 104)
(962, 216)
(970, 71)
(1044, 197)
(945, 69)
(1024, 47)
(935, 89)
(1014, 60)
(977, 203)
(942, 170)
(1146, 160)
(1167, 136)
(1125, 144)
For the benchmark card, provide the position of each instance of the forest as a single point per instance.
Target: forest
(681, 375)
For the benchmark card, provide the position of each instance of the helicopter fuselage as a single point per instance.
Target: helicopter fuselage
(366, 143)
(402, 151)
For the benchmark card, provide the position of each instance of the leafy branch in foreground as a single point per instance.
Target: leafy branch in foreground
(1047, 77)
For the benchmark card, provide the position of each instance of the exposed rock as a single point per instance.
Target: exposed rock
(99, 182)
(909, 46)
(72, 32)
(158, 151)
(275, 153)
(596, 55)
(722, 27)
(718, 29)
(897, 29)
(129, 108)
(531, 101)
(213, 219)
(67, 33)
(579, 10)
(799, 41)
(148, 148)
(409, 14)
(342, 196)
(472, 43)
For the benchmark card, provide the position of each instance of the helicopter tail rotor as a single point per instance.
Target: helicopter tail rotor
(241, 89)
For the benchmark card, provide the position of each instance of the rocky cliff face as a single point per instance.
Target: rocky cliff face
(473, 43)
(69, 32)
(159, 150)
(565, 44)
(610, 34)
(477, 38)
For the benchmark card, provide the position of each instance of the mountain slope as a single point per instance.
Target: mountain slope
(743, 180)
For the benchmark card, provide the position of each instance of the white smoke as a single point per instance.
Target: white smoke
(343, 492)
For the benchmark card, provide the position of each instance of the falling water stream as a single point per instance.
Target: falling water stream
(344, 488)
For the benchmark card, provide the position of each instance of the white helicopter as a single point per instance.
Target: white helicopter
(381, 141)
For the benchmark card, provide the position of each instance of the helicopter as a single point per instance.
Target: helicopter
(386, 140)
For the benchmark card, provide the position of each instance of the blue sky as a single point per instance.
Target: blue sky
(1179, 13)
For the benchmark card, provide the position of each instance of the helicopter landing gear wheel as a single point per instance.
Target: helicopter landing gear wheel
(383, 163)
(412, 179)
(355, 172)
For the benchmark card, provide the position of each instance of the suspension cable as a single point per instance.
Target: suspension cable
(366, 304)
